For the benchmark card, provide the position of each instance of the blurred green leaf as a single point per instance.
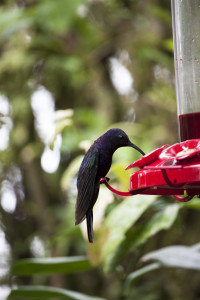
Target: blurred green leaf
(162, 220)
(58, 16)
(9, 16)
(194, 203)
(72, 64)
(176, 257)
(119, 221)
(161, 13)
(168, 44)
(12, 20)
(70, 139)
(118, 169)
(87, 118)
(139, 234)
(138, 273)
(154, 54)
(63, 120)
(62, 265)
(44, 292)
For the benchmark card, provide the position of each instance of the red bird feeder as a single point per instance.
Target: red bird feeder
(175, 170)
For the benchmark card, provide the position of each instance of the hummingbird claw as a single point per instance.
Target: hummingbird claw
(104, 179)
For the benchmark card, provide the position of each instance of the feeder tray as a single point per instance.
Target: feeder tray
(168, 170)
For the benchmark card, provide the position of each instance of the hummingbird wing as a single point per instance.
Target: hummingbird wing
(86, 184)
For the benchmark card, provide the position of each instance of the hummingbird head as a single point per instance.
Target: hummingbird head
(118, 138)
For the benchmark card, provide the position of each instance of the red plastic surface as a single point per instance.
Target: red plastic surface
(147, 159)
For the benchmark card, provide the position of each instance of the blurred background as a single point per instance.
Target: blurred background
(69, 71)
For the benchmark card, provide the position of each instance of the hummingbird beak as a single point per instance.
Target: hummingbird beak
(135, 147)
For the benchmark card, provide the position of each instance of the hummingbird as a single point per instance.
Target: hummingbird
(95, 165)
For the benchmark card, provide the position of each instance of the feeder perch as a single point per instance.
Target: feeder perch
(175, 170)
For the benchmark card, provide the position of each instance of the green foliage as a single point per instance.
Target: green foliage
(58, 16)
(40, 292)
(117, 224)
(176, 256)
(163, 219)
(51, 265)
(137, 274)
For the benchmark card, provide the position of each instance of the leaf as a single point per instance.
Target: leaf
(194, 203)
(58, 15)
(162, 220)
(62, 120)
(9, 16)
(138, 273)
(72, 64)
(12, 21)
(62, 265)
(119, 221)
(176, 257)
(43, 292)
(118, 169)
(63, 114)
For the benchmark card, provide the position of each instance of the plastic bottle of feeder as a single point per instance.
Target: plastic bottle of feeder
(186, 35)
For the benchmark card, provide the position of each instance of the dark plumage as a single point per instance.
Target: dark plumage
(94, 166)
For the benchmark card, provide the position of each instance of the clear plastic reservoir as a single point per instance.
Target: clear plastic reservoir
(186, 35)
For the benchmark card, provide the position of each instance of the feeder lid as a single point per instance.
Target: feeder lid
(181, 151)
(147, 159)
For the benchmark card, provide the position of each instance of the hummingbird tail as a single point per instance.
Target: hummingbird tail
(89, 217)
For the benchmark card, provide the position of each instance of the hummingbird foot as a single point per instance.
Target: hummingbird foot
(104, 179)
